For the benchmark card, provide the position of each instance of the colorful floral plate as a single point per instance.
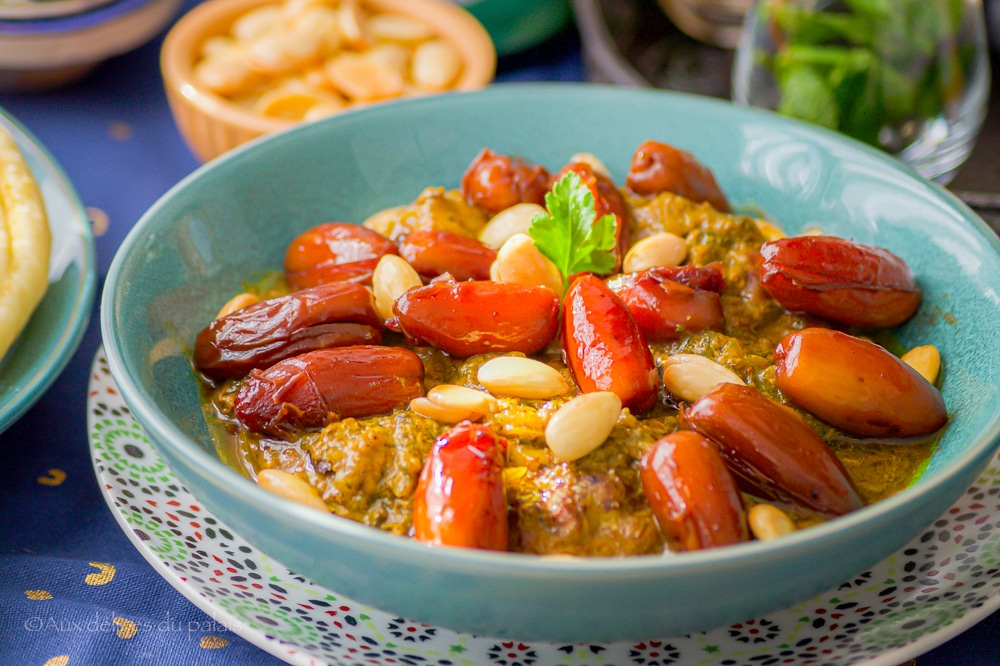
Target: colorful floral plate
(939, 584)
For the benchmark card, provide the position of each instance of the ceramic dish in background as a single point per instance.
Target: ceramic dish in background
(212, 124)
(895, 611)
(516, 25)
(194, 248)
(57, 325)
(40, 54)
(33, 9)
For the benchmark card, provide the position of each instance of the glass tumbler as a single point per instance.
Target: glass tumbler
(910, 77)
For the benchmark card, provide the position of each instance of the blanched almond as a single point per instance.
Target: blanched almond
(290, 487)
(435, 65)
(276, 52)
(392, 278)
(398, 28)
(235, 303)
(291, 103)
(442, 413)
(769, 522)
(690, 376)
(362, 79)
(582, 424)
(257, 22)
(384, 220)
(351, 22)
(506, 223)
(592, 161)
(520, 262)
(391, 56)
(521, 377)
(462, 397)
(926, 360)
(663, 249)
(224, 73)
(320, 21)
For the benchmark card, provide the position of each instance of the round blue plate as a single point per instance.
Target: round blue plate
(58, 323)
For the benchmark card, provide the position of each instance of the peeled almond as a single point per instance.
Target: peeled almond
(257, 22)
(351, 25)
(769, 522)
(520, 262)
(462, 397)
(290, 104)
(926, 360)
(663, 249)
(276, 52)
(235, 303)
(360, 78)
(690, 376)
(582, 424)
(398, 28)
(592, 161)
(435, 65)
(392, 278)
(290, 487)
(442, 413)
(506, 223)
(521, 377)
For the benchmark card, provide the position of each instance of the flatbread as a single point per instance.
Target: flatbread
(25, 242)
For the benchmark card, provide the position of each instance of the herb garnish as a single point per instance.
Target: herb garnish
(569, 235)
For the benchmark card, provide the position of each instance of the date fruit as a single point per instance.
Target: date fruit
(604, 348)
(478, 317)
(317, 388)
(856, 385)
(657, 167)
(337, 314)
(692, 493)
(333, 252)
(433, 253)
(497, 182)
(460, 499)
(663, 308)
(771, 450)
(839, 280)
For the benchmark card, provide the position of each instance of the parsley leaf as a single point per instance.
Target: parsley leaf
(569, 235)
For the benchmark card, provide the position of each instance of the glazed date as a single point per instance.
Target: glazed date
(771, 450)
(337, 314)
(460, 500)
(856, 385)
(657, 167)
(333, 252)
(497, 182)
(478, 317)
(663, 308)
(707, 278)
(839, 280)
(607, 200)
(692, 493)
(317, 388)
(604, 348)
(433, 253)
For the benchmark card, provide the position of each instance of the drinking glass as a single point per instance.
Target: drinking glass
(910, 77)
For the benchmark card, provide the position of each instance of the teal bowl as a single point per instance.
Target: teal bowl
(193, 249)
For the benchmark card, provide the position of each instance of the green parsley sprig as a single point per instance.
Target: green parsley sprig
(569, 235)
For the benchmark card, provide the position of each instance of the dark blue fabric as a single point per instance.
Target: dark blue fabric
(115, 138)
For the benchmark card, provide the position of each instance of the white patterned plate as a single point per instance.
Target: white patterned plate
(939, 584)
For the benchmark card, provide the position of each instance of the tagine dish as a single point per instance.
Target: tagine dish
(549, 362)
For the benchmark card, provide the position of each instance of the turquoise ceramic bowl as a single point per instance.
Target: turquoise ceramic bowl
(194, 248)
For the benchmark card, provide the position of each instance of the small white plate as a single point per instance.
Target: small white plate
(929, 591)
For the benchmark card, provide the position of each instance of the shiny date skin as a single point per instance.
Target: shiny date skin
(330, 315)
(607, 201)
(771, 450)
(434, 253)
(497, 182)
(658, 167)
(468, 318)
(839, 280)
(604, 348)
(663, 308)
(460, 499)
(856, 385)
(692, 493)
(317, 388)
(332, 252)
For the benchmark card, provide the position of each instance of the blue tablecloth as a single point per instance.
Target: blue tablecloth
(59, 544)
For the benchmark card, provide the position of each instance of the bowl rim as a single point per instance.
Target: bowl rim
(974, 455)
(179, 52)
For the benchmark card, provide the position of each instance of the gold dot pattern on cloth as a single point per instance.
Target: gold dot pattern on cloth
(55, 477)
(126, 629)
(213, 642)
(120, 131)
(107, 573)
(61, 660)
(99, 221)
(38, 595)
